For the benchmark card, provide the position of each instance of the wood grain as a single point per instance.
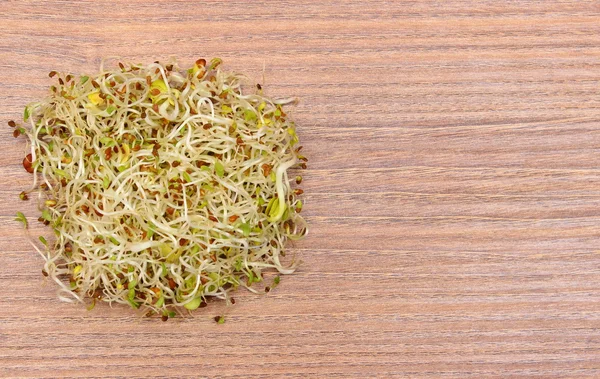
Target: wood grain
(453, 190)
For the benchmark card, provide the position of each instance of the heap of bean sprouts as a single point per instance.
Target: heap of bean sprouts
(164, 186)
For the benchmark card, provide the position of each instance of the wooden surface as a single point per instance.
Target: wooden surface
(453, 190)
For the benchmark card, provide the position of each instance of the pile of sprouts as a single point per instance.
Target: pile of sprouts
(165, 187)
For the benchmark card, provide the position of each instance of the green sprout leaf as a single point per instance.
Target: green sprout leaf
(193, 304)
(249, 115)
(46, 215)
(21, 218)
(150, 231)
(107, 141)
(133, 304)
(92, 305)
(245, 228)
(84, 79)
(43, 240)
(219, 169)
(215, 62)
(26, 114)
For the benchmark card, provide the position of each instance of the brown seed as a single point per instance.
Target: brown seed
(155, 108)
(68, 248)
(170, 211)
(12, 124)
(169, 67)
(23, 196)
(44, 272)
(298, 179)
(233, 218)
(28, 163)
(108, 153)
(267, 289)
(115, 149)
(239, 141)
(175, 164)
(212, 218)
(52, 73)
(138, 86)
(201, 62)
(258, 86)
(298, 191)
(95, 84)
(232, 300)
(172, 284)
(68, 78)
(61, 82)
(183, 241)
(217, 318)
(122, 66)
(155, 92)
(16, 133)
(207, 126)
(266, 169)
(164, 318)
(303, 166)
(149, 80)
(136, 148)
(98, 239)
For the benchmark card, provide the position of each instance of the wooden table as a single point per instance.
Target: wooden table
(453, 190)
